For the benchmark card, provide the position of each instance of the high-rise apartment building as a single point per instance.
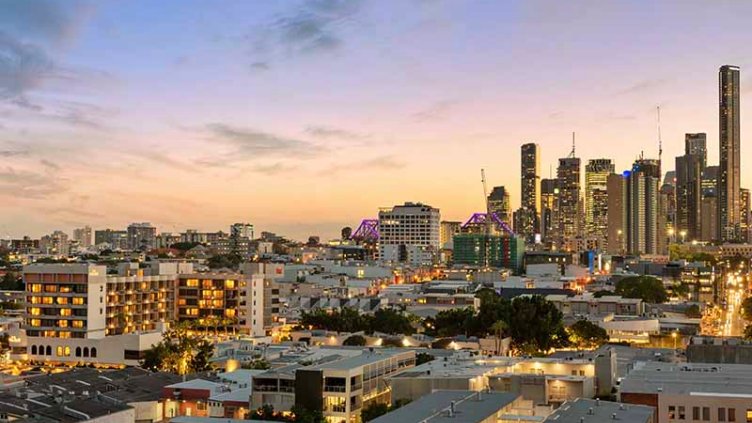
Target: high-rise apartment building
(409, 234)
(729, 176)
(500, 203)
(55, 243)
(617, 213)
(569, 207)
(689, 170)
(447, 231)
(530, 191)
(142, 236)
(697, 144)
(596, 200)
(643, 206)
(549, 194)
(83, 236)
(242, 230)
(116, 240)
(745, 211)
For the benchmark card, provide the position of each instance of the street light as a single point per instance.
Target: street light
(683, 235)
(674, 335)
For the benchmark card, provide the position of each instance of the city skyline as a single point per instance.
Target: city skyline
(123, 126)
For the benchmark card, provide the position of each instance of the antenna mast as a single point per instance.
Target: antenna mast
(572, 154)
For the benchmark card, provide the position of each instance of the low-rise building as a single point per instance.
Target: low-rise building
(691, 391)
(583, 410)
(455, 407)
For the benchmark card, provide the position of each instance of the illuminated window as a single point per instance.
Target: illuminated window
(50, 288)
(192, 312)
(60, 351)
(62, 300)
(65, 312)
(217, 303)
(207, 283)
(36, 287)
(66, 289)
(78, 301)
(206, 294)
(34, 311)
(181, 301)
(34, 300)
(78, 324)
(67, 351)
(191, 282)
(48, 300)
(230, 284)
(230, 312)
(62, 323)
(35, 322)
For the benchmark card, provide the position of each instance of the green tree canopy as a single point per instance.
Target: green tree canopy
(355, 340)
(373, 410)
(587, 335)
(746, 308)
(536, 325)
(647, 288)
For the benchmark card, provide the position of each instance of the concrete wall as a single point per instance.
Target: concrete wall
(732, 354)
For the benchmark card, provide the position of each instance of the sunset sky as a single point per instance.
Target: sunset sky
(303, 117)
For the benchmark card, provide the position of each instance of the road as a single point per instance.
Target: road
(733, 324)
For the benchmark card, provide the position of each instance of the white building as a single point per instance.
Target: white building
(409, 234)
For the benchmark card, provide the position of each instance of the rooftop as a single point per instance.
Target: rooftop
(469, 407)
(594, 411)
(689, 379)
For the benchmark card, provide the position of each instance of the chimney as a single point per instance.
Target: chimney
(451, 409)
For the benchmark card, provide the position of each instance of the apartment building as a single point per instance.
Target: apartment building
(583, 410)
(588, 305)
(409, 234)
(77, 313)
(222, 300)
(340, 385)
(691, 392)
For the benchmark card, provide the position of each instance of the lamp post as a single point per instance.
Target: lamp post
(683, 235)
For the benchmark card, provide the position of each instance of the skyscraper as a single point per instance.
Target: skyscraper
(643, 207)
(549, 193)
(729, 178)
(689, 170)
(409, 233)
(83, 236)
(617, 213)
(530, 195)
(500, 203)
(569, 207)
(596, 199)
(745, 210)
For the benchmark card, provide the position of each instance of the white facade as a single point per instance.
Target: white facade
(409, 234)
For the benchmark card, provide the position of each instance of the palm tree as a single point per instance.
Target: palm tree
(499, 327)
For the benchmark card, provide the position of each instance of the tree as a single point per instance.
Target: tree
(260, 364)
(587, 335)
(441, 344)
(646, 288)
(422, 357)
(536, 326)
(453, 322)
(219, 261)
(499, 328)
(693, 312)
(355, 340)
(748, 332)
(304, 415)
(180, 351)
(373, 410)
(602, 293)
(11, 282)
(746, 308)
(391, 321)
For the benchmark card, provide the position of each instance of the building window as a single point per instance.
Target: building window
(49, 350)
(695, 413)
(706, 414)
(33, 350)
(731, 414)
(86, 351)
(78, 301)
(200, 406)
(59, 351)
(93, 352)
(682, 413)
(78, 351)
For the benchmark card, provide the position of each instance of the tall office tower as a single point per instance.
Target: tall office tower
(666, 216)
(569, 205)
(729, 182)
(548, 205)
(689, 195)
(596, 200)
(83, 236)
(616, 189)
(409, 234)
(697, 144)
(500, 203)
(142, 236)
(745, 211)
(447, 230)
(709, 210)
(530, 194)
(643, 207)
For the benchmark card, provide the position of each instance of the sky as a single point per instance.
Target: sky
(302, 117)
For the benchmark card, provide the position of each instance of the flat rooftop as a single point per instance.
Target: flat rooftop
(689, 379)
(579, 411)
(469, 407)
(364, 359)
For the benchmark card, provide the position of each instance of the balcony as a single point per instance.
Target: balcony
(335, 388)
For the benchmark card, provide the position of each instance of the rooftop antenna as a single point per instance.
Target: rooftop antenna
(572, 155)
(660, 141)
